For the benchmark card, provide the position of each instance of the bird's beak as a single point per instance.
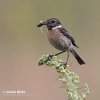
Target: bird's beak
(42, 23)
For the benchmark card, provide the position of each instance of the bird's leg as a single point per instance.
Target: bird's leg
(50, 55)
(64, 64)
(59, 53)
(67, 58)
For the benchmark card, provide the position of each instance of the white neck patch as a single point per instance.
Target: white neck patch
(57, 27)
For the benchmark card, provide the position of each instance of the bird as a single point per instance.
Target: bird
(60, 38)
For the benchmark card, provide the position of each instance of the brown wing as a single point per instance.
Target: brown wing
(65, 33)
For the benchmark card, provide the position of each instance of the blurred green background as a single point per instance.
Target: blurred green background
(22, 44)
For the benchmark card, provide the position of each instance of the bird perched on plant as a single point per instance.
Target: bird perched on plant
(60, 38)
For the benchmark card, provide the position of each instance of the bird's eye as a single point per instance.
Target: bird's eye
(53, 21)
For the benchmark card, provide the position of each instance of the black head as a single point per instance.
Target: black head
(50, 23)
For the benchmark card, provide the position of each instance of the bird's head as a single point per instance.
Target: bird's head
(50, 23)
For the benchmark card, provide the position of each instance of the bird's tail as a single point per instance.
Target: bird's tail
(78, 58)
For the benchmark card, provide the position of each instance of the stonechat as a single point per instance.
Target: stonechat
(60, 38)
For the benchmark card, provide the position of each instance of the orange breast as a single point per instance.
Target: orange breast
(57, 39)
(53, 33)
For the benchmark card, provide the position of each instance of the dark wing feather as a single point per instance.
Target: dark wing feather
(65, 33)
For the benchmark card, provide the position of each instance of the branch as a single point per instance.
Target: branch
(69, 79)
